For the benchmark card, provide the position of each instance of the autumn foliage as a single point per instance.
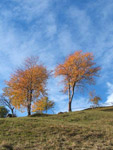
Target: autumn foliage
(43, 104)
(27, 84)
(94, 98)
(77, 70)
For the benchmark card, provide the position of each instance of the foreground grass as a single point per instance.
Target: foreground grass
(82, 130)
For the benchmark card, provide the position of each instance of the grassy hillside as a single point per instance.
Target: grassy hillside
(89, 129)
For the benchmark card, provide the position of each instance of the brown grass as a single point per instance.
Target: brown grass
(83, 130)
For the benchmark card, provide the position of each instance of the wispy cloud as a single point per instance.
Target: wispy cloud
(52, 30)
(109, 100)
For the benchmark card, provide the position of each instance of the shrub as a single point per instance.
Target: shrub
(3, 112)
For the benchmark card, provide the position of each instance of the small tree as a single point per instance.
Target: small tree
(44, 104)
(3, 112)
(49, 104)
(7, 102)
(78, 69)
(94, 99)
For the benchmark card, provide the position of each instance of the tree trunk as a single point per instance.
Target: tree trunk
(29, 104)
(69, 106)
(12, 111)
(29, 109)
(71, 94)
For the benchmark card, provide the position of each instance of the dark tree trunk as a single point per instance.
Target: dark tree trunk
(12, 111)
(29, 109)
(71, 94)
(69, 106)
(29, 104)
(29, 100)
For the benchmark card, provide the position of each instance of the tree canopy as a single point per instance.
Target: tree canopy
(27, 84)
(94, 98)
(43, 104)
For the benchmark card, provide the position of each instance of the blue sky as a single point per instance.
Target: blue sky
(52, 29)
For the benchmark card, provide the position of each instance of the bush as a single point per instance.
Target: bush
(11, 115)
(3, 112)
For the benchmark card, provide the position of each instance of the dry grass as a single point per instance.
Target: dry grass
(82, 130)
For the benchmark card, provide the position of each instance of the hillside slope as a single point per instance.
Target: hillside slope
(88, 129)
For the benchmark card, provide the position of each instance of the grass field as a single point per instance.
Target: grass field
(83, 130)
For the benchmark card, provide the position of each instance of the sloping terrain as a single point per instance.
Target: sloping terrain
(82, 130)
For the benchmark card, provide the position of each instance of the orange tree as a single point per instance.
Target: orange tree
(27, 84)
(43, 104)
(94, 98)
(77, 70)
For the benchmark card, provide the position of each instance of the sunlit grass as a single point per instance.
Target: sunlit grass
(88, 129)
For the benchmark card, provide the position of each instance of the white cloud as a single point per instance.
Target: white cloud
(109, 100)
(81, 21)
(36, 27)
(65, 42)
(28, 10)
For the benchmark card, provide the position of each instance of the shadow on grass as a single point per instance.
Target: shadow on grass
(39, 115)
(109, 109)
(6, 147)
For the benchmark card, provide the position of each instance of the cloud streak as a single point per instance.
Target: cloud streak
(52, 30)
(109, 100)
